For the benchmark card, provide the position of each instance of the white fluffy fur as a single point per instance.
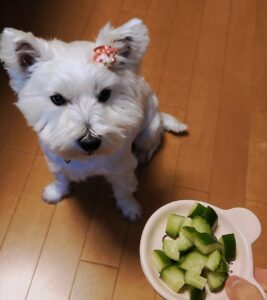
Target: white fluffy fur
(129, 117)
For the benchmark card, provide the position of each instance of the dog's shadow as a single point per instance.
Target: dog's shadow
(95, 200)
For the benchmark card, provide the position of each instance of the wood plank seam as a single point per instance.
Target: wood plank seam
(41, 250)
(222, 83)
(18, 201)
(189, 94)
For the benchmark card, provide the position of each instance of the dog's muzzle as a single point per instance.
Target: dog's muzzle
(89, 143)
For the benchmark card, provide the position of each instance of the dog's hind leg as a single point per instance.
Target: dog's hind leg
(155, 122)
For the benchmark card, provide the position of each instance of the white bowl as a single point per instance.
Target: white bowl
(240, 221)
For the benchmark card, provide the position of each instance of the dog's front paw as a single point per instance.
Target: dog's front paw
(130, 209)
(54, 193)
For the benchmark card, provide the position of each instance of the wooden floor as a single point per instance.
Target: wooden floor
(207, 61)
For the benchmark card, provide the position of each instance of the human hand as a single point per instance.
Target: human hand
(238, 288)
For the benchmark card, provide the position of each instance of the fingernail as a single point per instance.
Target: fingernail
(233, 281)
(238, 288)
(232, 285)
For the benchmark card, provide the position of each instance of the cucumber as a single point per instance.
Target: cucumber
(201, 225)
(189, 233)
(208, 213)
(229, 246)
(161, 260)
(206, 243)
(174, 223)
(194, 261)
(195, 280)
(214, 260)
(171, 249)
(187, 222)
(183, 243)
(196, 210)
(191, 250)
(196, 294)
(210, 216)
(223, 266)
(173, 276)
(216, 280)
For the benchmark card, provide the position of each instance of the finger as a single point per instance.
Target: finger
(239, 289)
(261, 277)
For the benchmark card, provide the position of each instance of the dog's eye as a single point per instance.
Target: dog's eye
(58, 99)
(104, 95)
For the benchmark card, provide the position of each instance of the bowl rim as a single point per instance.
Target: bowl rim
(142, 248)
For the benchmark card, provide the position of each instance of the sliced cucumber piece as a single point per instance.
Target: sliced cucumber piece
(187, 222)
(210, 215)
(194, 261)
(174, 223)
(229, 246)
(223, 266)
(161, 260)
(196, 210)
(214, 260)
(173, 276)
(216, 280)
(189, 233)
(201, 225)
(196, 294)
(171, 249)
(206, 243)
(183, 243)
(195, 280)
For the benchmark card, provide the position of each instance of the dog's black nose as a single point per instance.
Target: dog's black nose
(89, 143)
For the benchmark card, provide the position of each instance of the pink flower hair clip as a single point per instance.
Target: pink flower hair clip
(105, 55)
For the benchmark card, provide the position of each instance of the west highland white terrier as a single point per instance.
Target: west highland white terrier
(89, 106)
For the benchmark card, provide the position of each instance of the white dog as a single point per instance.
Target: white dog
(89, 106)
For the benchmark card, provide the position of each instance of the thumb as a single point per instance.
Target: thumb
(238, 288)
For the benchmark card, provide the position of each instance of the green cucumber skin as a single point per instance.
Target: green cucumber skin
(189, 233)
(161, 261)
(223, 266)
(196, 210)
(229, 246)
(210, 216)
(208, 213)
(195, 280)
(201, 225)
(195, 233)
(206, 243)
(216, 280)
(197, 294)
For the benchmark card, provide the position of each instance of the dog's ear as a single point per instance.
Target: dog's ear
(20, 52)
(130, 40)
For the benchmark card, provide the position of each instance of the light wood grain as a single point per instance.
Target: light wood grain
(105, 237)
(180, 55)
(196, 159)
(16, 167)
(228, 179)
(207, 62)
(23, 243)
(61, 252)
(93, 282)
(239, 62)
